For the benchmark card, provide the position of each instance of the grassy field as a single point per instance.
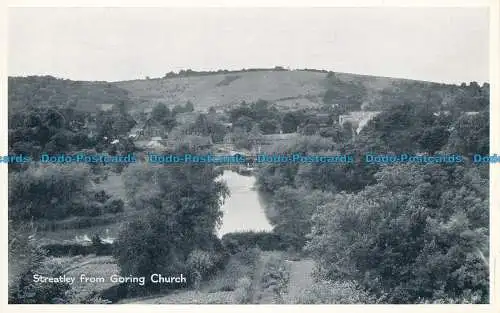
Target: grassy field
(91, 266)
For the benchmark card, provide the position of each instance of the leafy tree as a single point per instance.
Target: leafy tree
(245, 123)
(26, 259)
(294, 209)
(292, 120)
(269, 125)
(160, 112)
(470, 135)
(419, 233)
(189, 106)
(182, 214)
(310, 129)
(255, 135)
(433, 139)
(206, 125)
(51, 192)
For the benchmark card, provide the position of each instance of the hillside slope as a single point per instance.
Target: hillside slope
(284, 88)
(223, 89)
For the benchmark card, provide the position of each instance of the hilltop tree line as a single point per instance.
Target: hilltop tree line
(354, 94)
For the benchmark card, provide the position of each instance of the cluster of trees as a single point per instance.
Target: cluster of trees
(355, 93)
(166, 117)
(113, 124)
(35, 129)
(178, 227)
(190, 72)
(39, 129)
(262, 113)
(434, 97)
(420, 232)
(208, 125)
(187, 107)
(49, 114)
(26, 259)
(48, 91)
(403, 233)
(268, 119)
(350, 93)
(54, 192)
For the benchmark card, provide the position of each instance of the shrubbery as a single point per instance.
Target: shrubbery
(419, 233)
(176, 233)
(25, 260)
(239, 265)
(241, 241)
(242, 293)
(273, 284)
(326, 292)
(51, 192)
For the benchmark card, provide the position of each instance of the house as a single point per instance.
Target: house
(148, 130)
(323, 119)
(442, 113)
(358, 119)
(148, 112)
(269, 141)
(228, 126)
(186, 118)
(471, 113)
(156, 145)
(200, 142)
(136, 131)
(106, 107)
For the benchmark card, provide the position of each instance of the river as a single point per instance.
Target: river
(244, 208)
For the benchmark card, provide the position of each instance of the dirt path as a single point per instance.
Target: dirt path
(300, 278)
(258, 276)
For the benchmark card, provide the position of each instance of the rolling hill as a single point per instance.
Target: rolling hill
(285, 88)
(223, 89)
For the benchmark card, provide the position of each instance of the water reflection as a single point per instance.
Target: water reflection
(244, 209)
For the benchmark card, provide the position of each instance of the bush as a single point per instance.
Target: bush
(200, 263)
(325, 292)
(421, 232)
(60, 250)
(240, 265)
(274, 280)
(51, 192)
(240, 241)
(242, 294)
(114, 206)
(25, 260)
(101, 196)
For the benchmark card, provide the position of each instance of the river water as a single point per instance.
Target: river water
(244, 208)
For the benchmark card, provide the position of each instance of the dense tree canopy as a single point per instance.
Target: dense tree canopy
(182, 214)
(420, 232)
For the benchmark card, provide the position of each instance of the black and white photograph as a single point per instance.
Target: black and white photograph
(248, 155)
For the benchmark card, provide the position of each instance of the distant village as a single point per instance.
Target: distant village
(150, 134)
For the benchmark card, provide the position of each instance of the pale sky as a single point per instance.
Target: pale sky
(434, 44)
